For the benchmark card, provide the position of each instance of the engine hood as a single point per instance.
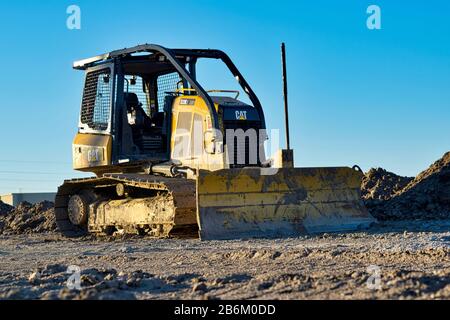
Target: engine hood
(235, 110)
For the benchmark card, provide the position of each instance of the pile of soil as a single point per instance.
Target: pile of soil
(380, 184)
(5, 208)
(391, 197)
(28, 218)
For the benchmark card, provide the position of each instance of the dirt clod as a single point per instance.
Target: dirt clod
(199, 287)
(35, 278)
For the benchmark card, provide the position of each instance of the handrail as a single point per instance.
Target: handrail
(226, 91)
(182, 90)
(186, 89)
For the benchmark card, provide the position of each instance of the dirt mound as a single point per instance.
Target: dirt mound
(5, 208)
(425, 197)
(28, 218)
(381, 184)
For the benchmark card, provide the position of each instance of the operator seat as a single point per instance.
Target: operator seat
(158, 119)
(139, 118)
(146, 136)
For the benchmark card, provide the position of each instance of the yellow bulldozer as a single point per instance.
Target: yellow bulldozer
(173, 159)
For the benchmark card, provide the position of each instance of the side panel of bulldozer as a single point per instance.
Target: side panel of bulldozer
(245, 203)
(91, 151)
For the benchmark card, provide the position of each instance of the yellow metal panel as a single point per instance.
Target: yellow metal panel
(240, 203)
(251, 180)
(194, 105)
(91, 151)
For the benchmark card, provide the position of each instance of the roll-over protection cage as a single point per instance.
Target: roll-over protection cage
(174, 56)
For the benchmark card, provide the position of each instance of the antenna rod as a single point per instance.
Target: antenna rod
(285, 94)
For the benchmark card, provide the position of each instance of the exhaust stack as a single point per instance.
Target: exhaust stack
(285, 157)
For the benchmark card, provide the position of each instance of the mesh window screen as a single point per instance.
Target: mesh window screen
(166, 83)
(96, 104)
(138, 89)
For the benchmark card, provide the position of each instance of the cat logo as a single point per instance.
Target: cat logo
(241, 115)
(94, 155)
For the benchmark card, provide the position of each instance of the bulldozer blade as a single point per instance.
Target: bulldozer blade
(252, 203)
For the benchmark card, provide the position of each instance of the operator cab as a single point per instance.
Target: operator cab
(137, 98)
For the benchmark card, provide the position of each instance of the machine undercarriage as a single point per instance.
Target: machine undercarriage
(127, 203)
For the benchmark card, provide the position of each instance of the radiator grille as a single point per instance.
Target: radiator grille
(241, 153)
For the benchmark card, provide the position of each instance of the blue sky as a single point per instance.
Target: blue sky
(357, 96)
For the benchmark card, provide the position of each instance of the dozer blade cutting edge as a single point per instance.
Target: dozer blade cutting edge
(244, 203)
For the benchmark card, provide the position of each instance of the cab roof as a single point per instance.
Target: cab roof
(156, 53)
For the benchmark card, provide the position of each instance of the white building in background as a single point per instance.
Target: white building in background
(13, 199)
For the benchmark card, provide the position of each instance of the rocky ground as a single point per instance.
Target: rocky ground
(398, 260)
(405, 256)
